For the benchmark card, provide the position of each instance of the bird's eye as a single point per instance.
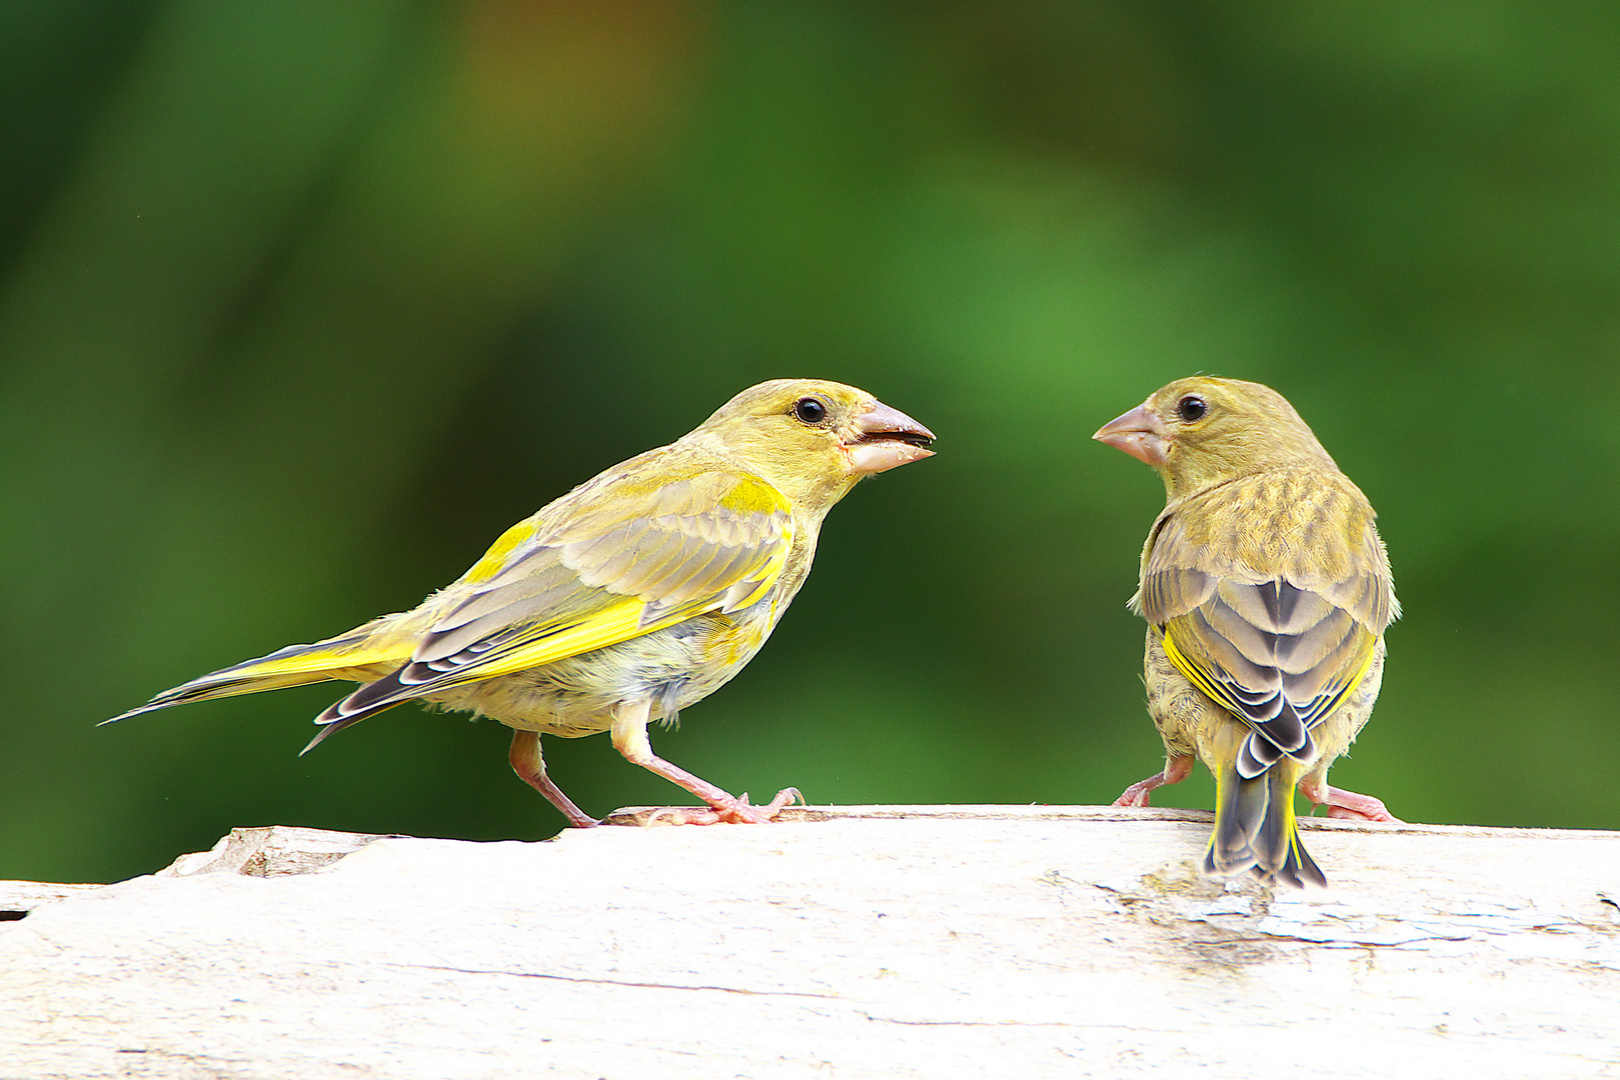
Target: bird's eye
(810, 410)
(1191, 408)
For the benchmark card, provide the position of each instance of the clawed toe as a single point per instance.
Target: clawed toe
(1137, 796)
(738, 812)
(683, 815)
(784, 798)
(744, 813)
(1349, 813)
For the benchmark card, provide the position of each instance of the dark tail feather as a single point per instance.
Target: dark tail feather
(1298, 869)
(1255, 829)
(338, 725)
(1280, 854)
(364, 702)
(1240, 809)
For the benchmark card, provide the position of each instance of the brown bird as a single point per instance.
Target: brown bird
(1267, 591)
(638, 593)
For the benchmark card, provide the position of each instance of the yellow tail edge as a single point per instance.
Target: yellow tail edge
(295, 665)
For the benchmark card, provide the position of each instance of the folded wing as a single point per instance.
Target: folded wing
(1280, 646)
(610, 565)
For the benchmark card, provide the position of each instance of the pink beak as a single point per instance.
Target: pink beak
(889, 438)
(1140, 433)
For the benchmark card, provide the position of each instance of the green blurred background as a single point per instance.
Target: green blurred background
(302, 303)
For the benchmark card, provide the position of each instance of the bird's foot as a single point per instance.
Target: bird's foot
(1139, 793)
(1348, 804)
(738, 811)
(1176, 769)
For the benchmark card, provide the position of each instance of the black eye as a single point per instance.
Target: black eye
(1191, 408)
(810, 410)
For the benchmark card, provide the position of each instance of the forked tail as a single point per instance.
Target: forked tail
(1255, 827)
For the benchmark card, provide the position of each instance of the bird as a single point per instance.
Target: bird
(1267, 591)
(629, 598)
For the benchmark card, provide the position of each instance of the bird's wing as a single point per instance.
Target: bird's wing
(1275, 622)
(608, 563)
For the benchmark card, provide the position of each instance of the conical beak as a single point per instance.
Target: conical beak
(1140, 433)
(888, 438)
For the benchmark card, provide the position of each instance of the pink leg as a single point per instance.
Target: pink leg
(531, 768)
(1177, 768)
(630, 739)
(1346, 804)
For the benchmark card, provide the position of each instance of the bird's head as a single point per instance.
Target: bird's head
(813, 439)
(1202, 431)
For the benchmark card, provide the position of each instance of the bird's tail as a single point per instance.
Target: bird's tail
(361, 654)
(1255, 827)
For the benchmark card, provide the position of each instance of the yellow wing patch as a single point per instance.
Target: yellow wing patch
(612, 625)
(754, 496)
(309, 659)
(494, 560)
(1195, 674)
(617, 623)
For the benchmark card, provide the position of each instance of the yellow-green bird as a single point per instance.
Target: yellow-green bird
(641, 591)
(1267, 591)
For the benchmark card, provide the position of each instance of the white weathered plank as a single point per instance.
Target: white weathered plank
(270, 851)
(18, 897)
(883, 942)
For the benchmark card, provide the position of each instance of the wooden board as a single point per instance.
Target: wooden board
(866, 942)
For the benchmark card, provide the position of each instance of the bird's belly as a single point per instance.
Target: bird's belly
(573, 697)
(1179, 710)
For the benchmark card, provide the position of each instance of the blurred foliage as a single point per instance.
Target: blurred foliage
(301, 304)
